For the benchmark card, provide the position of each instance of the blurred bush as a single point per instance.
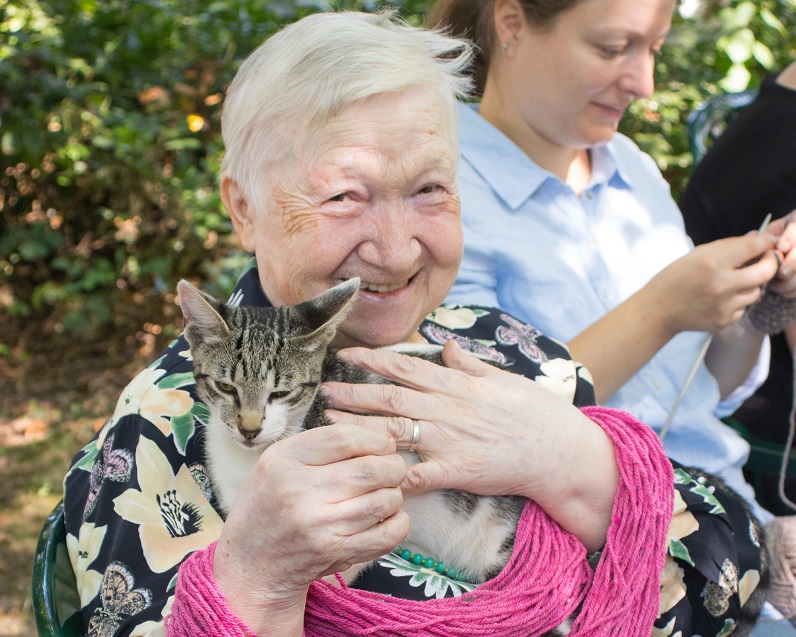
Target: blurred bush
(110, 142)
(714, 46)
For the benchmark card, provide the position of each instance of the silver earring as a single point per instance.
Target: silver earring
(504, 47)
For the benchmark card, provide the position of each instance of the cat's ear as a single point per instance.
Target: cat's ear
(201, 313)
(325, 312)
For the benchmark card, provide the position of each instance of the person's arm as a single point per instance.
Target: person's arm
(787, 77)
(490, 432)
(733, 355)
(705, 290)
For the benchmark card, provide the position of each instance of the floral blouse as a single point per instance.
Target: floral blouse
(138, 499)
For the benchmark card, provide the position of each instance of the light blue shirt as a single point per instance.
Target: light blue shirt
(560, 262)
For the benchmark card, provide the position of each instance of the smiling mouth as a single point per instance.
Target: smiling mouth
(382, 287)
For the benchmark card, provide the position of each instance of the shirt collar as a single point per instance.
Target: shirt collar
(511, 174)
(248, 291)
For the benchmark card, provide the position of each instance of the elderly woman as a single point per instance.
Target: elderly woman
(341, 158)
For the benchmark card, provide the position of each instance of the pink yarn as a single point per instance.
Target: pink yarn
(199, 607)
(546, 580)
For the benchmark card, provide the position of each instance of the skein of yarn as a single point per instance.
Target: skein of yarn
(772, 313)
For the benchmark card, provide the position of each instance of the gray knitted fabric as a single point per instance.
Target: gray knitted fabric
(772, 313)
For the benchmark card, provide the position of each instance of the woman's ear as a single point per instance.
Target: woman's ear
(509, 21)
(239, 211)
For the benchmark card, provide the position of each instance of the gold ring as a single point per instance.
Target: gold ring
(415, 435)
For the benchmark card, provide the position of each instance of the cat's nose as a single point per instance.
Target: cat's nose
(249, 434)
(250, 423)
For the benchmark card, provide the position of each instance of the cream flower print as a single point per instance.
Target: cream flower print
(748, 585)
(159, 405)
(560, 377)
(83, 550)
(154, 629)
(672, 586)
(173, 515)
(434, 584)
(585, 374)
(455, 318)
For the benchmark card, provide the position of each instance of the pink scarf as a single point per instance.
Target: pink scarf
(546, 580)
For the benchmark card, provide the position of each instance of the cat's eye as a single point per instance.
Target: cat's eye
(226, 387)
(278, 395)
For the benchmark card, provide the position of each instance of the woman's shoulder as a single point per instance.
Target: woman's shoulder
(160, 401)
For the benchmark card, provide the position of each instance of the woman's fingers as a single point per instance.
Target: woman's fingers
(355, 515)
(457, 359)
(400, 428)
(372, 542)
(325, 445)
(378, 399)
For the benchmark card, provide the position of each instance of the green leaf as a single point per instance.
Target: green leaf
(736, 80)
(183, 428)
(679, 550)
(185, 143)
(738, 47)
(763, 55)
(177, 380)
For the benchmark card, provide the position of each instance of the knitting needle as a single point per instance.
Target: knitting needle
(701, 355)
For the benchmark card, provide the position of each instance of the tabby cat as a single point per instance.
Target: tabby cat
(258, 370)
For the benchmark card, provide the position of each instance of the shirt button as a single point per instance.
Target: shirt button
(589, 194)
(656, 385)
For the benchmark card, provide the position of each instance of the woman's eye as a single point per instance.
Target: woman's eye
(279, 395)
(611, 52)
(226, 387)
(427, 190)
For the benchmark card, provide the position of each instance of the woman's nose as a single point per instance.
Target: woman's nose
(639, 76)
(391, 242)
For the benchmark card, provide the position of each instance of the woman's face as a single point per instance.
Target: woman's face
(372, 193)
(572, 84)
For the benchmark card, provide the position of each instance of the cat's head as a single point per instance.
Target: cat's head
(257, 368)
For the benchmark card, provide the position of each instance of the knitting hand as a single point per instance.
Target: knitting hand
(784, 229)
(711, 287)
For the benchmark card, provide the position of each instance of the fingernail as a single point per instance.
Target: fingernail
(343, 355)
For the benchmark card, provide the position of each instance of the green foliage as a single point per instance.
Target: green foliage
(110, 144)
(727, 46)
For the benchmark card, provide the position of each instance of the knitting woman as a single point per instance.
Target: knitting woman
(341, 155)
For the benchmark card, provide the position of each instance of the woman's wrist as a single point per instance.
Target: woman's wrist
(201, 608)
(265, 612)
(569, 455)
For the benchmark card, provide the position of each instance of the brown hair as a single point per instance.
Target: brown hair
(474, 19)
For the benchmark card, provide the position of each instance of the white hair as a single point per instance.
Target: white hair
(312, 69)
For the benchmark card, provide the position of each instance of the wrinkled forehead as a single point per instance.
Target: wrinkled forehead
(417, 120)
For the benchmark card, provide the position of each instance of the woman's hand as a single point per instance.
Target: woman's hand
(315, 504)
(784, 229)
(710, 287)
(489, 432)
